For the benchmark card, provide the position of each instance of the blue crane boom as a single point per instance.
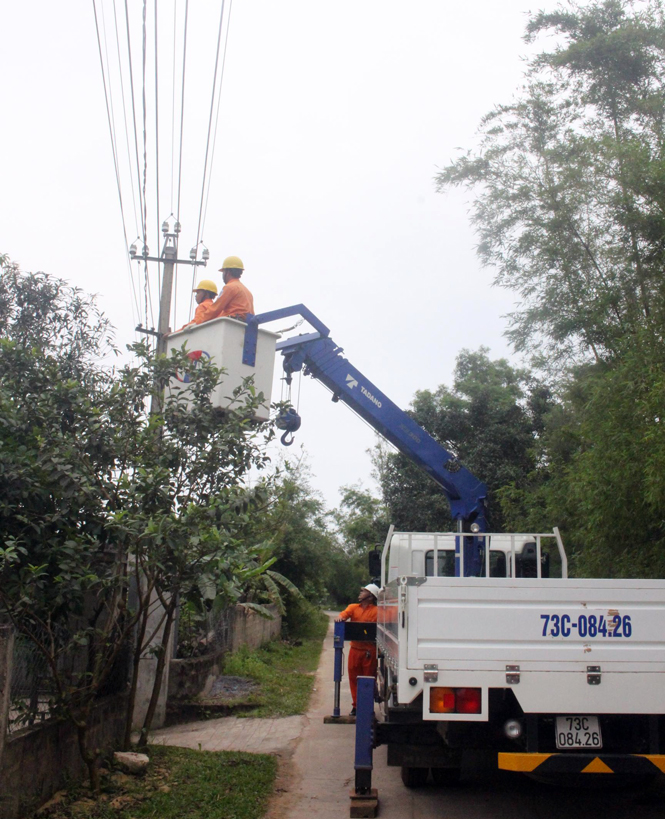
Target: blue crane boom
(318, 355)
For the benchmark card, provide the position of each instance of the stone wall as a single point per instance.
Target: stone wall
(36, 762)
(190, 678)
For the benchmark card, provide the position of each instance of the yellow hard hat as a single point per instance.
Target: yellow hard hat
(207, 284)
(232, 261)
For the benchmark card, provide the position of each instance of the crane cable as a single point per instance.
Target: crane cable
(107, 100)
(205, 190)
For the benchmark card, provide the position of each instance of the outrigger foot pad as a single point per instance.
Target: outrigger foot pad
(364, 804)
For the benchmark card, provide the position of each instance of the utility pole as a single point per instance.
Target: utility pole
(169, 259)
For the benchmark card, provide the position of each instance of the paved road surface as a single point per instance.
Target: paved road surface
(317, 773)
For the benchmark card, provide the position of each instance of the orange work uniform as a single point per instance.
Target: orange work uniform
(200, 311)
(362, 656)
(235, 301)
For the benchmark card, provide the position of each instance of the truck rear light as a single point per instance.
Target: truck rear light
(468, 700)
(441, 700)
(455, 700)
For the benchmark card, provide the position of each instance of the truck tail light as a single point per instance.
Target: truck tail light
(468, 700)
(455, 700)
(441, 700)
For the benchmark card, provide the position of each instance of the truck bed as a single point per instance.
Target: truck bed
(562, 646)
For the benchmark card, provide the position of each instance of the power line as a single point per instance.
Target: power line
(204, 208)
(144, 111)
(115, 153)
(175, 15)
(214, 139)
(124, 111)
(159, 286)
(136, 138)
(182, 105)
(212, 108)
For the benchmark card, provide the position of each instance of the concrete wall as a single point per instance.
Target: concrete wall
(6, 655)
(37, 762)
(253, 630)
(190, 678)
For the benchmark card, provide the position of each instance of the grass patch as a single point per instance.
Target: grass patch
(284, 671)
(180, 784)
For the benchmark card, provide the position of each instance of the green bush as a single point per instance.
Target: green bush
(304, 620)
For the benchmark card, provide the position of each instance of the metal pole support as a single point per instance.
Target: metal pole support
(364, 799)
(339, 665)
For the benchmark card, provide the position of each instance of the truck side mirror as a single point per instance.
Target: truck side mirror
(374, 561)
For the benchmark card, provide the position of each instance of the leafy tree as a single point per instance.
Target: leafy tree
(490, 420)
(361, 519)
(96, 493)
(601, 475)
(569, 183)
(569, 193)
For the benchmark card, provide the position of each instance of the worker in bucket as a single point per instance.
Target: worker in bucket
(235, 300)
(362, 655)
(204, 293)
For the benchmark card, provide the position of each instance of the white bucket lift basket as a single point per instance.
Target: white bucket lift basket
(221, 340)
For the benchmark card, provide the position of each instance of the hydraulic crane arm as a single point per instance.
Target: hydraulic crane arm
(318, 355)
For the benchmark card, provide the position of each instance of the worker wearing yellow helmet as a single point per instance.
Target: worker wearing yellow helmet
(235, 300)
(204, 293)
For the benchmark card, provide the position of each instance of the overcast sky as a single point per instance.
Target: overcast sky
(334, 119)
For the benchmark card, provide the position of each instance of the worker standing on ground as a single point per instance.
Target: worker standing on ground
(235, 300)
(362, 655)
(204, 293)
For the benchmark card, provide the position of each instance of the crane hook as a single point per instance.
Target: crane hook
(289, 421)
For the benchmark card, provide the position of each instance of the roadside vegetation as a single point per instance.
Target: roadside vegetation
(284, 669)
(179, 784)
(567, 189)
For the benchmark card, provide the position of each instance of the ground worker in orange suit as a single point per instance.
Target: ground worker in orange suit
(235, 300)
(362, 656)
(204, 293)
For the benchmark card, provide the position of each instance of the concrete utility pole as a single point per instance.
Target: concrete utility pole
(148, 662)
(169, 259)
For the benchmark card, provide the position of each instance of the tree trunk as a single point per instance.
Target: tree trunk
(138, 649)
(91, 758)
(161, 663)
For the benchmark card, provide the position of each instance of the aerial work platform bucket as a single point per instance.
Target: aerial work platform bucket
(221, 340)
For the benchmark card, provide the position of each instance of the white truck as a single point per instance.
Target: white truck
(484, 641)
(559, 675)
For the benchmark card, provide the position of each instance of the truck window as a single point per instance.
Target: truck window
(446, 563)
(497, 564)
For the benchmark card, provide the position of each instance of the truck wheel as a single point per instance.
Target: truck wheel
(446, 777)
(414, 777)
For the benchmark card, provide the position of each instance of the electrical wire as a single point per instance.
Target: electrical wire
(214, 139)
(182, 106)
(114, 150)
(144, 110)
(159, 283)
(212, 110)
(182, 129)
(124, 112)
(136, 137)
(202, 219)
(175, 20)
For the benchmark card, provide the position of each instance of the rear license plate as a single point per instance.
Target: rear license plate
(578, 732)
